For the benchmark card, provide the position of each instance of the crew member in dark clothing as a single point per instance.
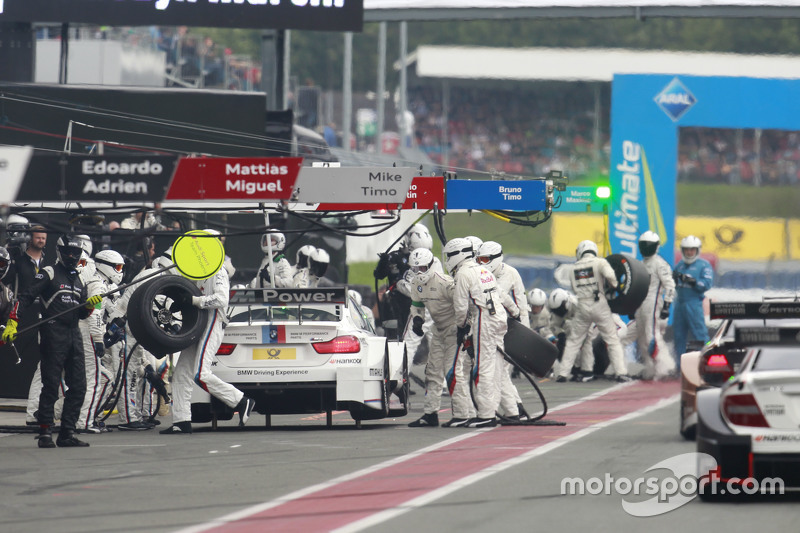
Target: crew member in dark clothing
(60, 289)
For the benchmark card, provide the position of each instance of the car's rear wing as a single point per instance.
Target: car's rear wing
(756, 310)
(285, 297)
(753, 336)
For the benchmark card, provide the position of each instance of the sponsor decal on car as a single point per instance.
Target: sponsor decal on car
(274, 354)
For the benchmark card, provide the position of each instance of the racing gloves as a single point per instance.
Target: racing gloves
(264, 274)
(10, 333)
(461, 334)
(99, 349)
(197, 301)
(156, 382)
(92, 301)
(664, 311)
(416, 326)
(680, 277)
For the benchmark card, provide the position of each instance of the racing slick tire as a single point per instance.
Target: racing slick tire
(633, 281)
(161, 315)
(529, 350)
(403, 392)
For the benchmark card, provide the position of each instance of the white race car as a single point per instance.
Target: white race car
(750, 427)
(298, 351)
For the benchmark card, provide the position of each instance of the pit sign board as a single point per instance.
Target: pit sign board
(580, 199)
(354, 185)
(234, 178)
(505, 195)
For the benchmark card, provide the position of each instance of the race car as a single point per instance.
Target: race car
(713, 364)
(298, 351)
(750, 427)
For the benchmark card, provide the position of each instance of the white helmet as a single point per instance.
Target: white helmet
(687, 243)
(455, 252)
(303, 253)
(86, 244)
(586, 247)
(18, 228)
(490, 254)
(537, 297)
(419, 240)
(216, 233)
(559, 302)
(318, 262)
(421, 263)
(355, 296)
(648, 243)
(476, 243)
(164, 260)
(110, 264)
(278, 242)
(415, 233)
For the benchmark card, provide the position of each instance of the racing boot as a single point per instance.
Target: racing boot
(67, 439)
(481, 423)
(178, 428)
(428, 420)
(456, 423)
(46, 437)
(245, 407)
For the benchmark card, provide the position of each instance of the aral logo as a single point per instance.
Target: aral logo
(675, 99)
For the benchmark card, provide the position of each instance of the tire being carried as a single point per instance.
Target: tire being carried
(634, 282)
(161, 315)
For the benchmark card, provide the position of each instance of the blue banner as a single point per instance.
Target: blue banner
(646, 114)
(505, 195)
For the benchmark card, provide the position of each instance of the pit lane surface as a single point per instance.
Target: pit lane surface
(300, 476)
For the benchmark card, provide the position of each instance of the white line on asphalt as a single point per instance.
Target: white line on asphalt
(434, 495)
(249, 511)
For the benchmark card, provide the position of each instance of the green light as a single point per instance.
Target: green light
(603, 192)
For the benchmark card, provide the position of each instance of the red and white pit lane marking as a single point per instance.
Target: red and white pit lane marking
(362, 499)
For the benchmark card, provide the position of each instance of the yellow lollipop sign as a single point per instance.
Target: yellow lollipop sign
(198, 254)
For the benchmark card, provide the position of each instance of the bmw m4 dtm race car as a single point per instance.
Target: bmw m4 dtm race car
(298, 351)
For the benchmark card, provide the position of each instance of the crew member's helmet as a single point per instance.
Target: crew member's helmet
(586, 247)
(688, 243)
(648, 243)
(421, 263)
(490, 254)
(278, 242)
(318, 262)
(416, 237)
(303, 253)
(537, 298)
(455, 252)
(86, 244)
(68, 251)
(560, 302)
(111, 264)
(476, 243)
(164, 260)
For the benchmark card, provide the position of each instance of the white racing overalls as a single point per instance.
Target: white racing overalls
(194, 362)
(646, 327)
(589, 276)
(473, 301)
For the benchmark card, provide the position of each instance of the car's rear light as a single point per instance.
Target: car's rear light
(226, 349)
(718, 363)
(344, 344)
(742, 410)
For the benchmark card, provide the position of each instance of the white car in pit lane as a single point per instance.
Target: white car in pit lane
(751, 425)
(298, 351)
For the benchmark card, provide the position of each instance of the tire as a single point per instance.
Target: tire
(162, 317)
(530, 351)
(404, 392)
(634, 280)
(201, 413)
(690, 433)
(601, 360)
